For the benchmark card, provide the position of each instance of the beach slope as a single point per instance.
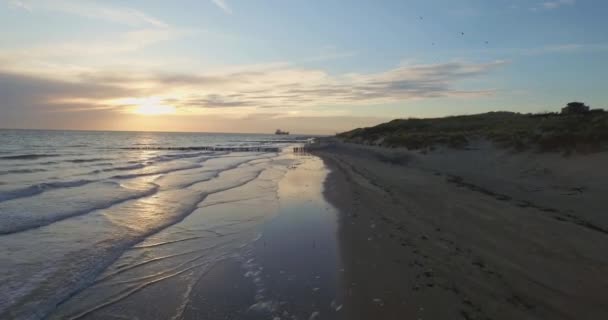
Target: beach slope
(475, 233)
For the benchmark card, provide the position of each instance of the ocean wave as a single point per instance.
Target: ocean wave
(40, 188)
(131, 222)
(47, 163)
(176, 205)
(212, 148)
(87, 160)
(155, 172)
(101, 196)
(104, 164)
(170, 157)
(15, 171)
(32, 156)
(123, 168)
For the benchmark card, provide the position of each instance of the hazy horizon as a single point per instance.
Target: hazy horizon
(151, 131)
(238, 66)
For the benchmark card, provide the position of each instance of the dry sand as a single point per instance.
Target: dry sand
(471, 234)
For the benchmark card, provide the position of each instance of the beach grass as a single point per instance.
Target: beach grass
(584, 132)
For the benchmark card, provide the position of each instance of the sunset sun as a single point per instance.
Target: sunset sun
(149, 106)
(153, 109)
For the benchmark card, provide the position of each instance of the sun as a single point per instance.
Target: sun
(153, 109)
(150, 106)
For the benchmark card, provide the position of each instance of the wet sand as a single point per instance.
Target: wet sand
(459, 235)
(292, 271)
(265, 250)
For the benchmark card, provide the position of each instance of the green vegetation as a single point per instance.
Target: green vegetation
(576, 129)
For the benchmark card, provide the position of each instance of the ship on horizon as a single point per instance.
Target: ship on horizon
(281, 132)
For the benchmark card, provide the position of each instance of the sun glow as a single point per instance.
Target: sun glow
(151, 110)
(150, 106)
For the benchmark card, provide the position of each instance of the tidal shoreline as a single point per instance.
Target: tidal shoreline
(350, 232)
(449, 229)
(266, 249)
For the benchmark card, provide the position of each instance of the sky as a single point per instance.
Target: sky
(304, 66)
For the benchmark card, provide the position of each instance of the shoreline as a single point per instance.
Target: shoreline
(267, 248)
(357, 232)
(291, 270)
(413, 236)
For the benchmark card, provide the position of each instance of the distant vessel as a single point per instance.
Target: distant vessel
(279, 131)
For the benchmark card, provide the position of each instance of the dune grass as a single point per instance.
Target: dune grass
(586, 132)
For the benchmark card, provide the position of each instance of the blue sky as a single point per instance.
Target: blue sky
(306, 66)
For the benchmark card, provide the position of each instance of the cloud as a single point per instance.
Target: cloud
(282, 88)
(45, 89)
(290, 87)
(90, 103)
(550, 5)
(28, 100)
(20, 5)
(92, 10)
(223, 5)
(553, 4)
(71, 58)
(102, 45)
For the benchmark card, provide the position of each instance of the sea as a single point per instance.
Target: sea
(92, 221)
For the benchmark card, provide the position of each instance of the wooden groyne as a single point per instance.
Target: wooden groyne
(210, 148)
(305, 148)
